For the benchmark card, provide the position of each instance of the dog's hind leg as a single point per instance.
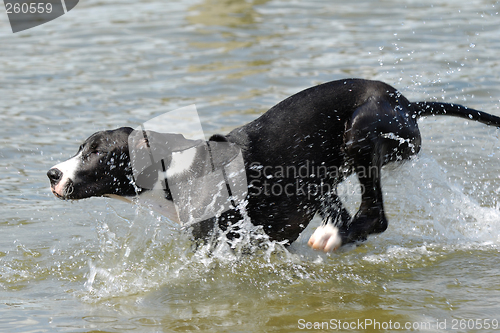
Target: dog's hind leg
(379, 132)
(366, 150)
(370, 218)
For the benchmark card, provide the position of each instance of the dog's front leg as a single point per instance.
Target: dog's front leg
(370, 219)
(326, 237)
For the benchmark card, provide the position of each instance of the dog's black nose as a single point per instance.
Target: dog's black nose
(54, 175)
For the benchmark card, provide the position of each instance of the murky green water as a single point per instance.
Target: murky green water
(100, 265)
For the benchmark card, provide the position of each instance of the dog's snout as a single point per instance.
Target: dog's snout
(54, 175)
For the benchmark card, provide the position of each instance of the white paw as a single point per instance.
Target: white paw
(326, 238)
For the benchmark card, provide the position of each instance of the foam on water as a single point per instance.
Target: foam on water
(428, 215)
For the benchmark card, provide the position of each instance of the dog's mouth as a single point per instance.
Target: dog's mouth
(56, 194)
(64, 192)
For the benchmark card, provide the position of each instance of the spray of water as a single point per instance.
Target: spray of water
(428, 214)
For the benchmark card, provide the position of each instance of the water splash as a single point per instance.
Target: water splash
(147, 251)
(428, 215)
(425, 203)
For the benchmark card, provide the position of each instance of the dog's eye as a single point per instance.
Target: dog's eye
(90, 153)
(94, 149)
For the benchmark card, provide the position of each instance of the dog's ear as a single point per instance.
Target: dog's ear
(158, 145)
(151, 152)
(170, 142)
(167, 142)
(148, 177)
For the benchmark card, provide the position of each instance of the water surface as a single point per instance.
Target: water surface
(100, 265)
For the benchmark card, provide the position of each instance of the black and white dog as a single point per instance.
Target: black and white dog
(294, 156)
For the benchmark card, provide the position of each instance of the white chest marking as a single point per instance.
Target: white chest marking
(181, 162)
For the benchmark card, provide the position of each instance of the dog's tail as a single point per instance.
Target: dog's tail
(423, 109)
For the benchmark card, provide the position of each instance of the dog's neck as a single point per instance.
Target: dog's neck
(202, 165)
(157, 199)
(152, 200)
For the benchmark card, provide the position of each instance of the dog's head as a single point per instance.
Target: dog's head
(122, 162)
(100, 167)
(201, 178)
